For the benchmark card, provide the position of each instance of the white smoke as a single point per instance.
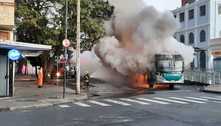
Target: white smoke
(88, 60)
(135, 34)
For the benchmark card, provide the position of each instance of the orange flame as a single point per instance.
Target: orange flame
(140, 81)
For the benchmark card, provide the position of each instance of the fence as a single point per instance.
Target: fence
(204, 77)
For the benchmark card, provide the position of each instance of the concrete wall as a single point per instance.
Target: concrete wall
(7, 17)
(215, 19)
(8, 1)
(210, 23)
(6, 14)
(196, 24)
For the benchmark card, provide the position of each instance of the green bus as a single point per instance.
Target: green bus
(169, 69)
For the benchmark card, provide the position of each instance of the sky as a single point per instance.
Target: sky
(164, 4)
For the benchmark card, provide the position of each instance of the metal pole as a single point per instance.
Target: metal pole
(219, 78)
(200, 77)
(57, 76)
(65, 73)
(13, 78)
(214, 77)
(66, 19)
(65, 49)
(78, 48)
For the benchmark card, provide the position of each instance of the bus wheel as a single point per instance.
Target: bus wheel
(151, 85)
(171, 86)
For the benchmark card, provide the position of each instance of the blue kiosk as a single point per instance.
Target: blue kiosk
(9, 53)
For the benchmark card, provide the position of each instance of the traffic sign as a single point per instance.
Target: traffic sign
(14, 54)
(66, 43)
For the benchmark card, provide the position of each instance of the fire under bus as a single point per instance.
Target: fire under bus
(169, 69)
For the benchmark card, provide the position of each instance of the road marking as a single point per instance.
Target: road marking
(201, 99)
(82, 104)
(188, 100)
(134, 101)
(170, 100)
(99, 103)
(155, 101)
(216, 102)
(213, 98)
(64, 106)
(117, 102)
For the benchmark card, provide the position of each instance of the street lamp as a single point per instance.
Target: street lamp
(78, 48)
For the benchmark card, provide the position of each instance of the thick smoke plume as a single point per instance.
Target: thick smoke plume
(135, 35)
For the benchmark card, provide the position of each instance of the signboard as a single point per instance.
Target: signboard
(216, 53)
(66, 43)
(14, 54)
(62, 61)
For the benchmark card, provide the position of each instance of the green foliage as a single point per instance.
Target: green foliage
(93, 14)
(32, 21)
(43, 21)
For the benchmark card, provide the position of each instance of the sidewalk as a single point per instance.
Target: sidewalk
(213, 88)
(28, 95)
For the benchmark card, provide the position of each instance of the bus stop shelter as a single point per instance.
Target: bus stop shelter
(7, 66)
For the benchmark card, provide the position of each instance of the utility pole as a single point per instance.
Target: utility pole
(78, 81)
(65, 48)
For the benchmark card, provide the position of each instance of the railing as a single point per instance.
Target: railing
(204, 77)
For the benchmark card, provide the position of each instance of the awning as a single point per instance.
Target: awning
(31, 53)
(24, 46)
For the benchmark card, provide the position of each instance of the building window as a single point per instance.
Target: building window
(219, 9)
(191, 38)
(203, 10)
(202, 36)
(191, 14)
(182, 17)
(182, 38)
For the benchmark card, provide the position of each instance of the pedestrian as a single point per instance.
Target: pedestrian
(40, 78)
(152, 79)
(87, 79)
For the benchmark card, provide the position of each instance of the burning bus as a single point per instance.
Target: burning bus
(169, 69)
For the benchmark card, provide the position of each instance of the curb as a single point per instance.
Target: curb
(43, 103)
(186, 82)
(29, 107)
(4, 109)
(211, 91)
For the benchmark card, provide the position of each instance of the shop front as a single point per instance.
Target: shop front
(215, 55)
(4, 77)
(10, 52)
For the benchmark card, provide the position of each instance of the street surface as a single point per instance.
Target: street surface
(184, 107)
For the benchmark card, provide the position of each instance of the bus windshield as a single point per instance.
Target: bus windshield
(173, 64)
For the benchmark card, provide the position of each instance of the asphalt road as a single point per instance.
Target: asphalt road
(184, 107)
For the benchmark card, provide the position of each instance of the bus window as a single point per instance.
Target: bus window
(164, 65)
(178, 65)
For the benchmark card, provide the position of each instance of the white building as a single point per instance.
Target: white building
(200, 25)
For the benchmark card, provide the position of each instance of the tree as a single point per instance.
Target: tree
(33, 21)
(93, 14)
(43, 22)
